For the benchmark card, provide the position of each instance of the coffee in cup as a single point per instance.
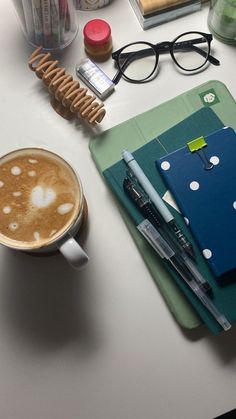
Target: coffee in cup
(41, 200)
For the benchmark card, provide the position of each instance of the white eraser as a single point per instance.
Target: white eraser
(95, 78)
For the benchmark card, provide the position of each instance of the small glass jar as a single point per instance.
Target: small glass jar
(47, 23)
(222, 20)
(97, 39)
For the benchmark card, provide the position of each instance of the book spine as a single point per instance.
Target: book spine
(151, 6)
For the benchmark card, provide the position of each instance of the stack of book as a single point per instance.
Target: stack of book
(160, 135)
(154, 12)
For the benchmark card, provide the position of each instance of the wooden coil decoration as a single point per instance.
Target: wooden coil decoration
(66, 95)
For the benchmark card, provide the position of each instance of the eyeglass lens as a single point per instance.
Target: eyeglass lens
(137, 61)
(191, 51)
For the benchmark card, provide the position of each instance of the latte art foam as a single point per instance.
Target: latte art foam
(40, 197)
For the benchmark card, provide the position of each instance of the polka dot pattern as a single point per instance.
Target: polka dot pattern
(186, 221)
(165, 165)
(194, 186)
(215, 160)
(207, 253)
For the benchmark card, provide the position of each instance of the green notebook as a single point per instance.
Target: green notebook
(132, 134)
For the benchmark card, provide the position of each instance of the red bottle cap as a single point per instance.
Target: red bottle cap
(97, 32)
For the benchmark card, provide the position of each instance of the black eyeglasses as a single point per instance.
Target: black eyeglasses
(138, 62)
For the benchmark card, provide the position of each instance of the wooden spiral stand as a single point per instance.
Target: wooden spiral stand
(66, 95)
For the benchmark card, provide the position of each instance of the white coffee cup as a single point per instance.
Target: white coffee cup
(30, 195)
(68, 245)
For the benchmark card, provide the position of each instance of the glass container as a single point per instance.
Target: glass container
(51, 24)
(222, 20)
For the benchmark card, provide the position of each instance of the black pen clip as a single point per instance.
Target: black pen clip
(133, 190)
(135, 183)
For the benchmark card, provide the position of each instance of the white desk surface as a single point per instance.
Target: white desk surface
(100, 343)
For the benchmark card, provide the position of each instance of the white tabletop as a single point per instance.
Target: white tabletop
(100, 343)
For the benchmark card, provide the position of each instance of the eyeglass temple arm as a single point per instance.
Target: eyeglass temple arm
(190, 44)
(128, 58)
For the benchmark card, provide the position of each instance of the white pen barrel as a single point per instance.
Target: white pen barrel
(147, 186)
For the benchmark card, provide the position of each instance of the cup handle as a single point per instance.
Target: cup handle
(73, 253)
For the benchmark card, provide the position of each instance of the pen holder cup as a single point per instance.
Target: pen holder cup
(51, 24)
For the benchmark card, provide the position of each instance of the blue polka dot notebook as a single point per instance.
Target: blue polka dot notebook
(202, 179)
